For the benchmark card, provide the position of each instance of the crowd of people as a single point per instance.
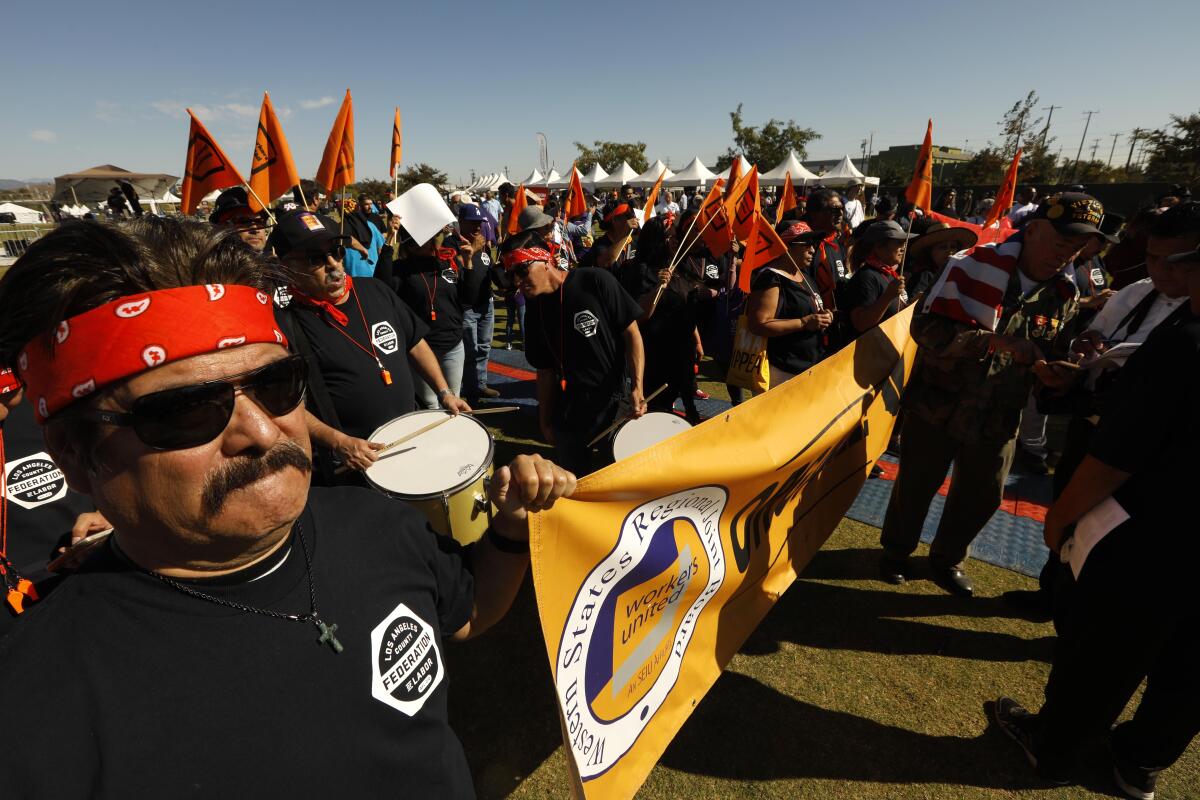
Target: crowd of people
(180, 368)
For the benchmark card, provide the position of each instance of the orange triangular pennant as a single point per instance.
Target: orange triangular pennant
(395, 145)
(920, 188)
(337, 163)
(787, 200)
(519, 203)
(272, 171)
(207, 168)
(1008, 191)
(576, 205)
(763, 246)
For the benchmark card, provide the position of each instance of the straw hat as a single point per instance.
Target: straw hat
(939, 232)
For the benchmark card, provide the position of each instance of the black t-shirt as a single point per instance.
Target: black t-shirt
(793, 352)
(41, 508)
(589, 325)
(436, 293)
(829, 269)
(477, 281)
(864, 288)
(361, 398)
(668, 335)
(604, 244)
(1151, 428)
(144, 691)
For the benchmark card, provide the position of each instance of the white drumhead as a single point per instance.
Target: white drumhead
(451, 455)
(648, 430)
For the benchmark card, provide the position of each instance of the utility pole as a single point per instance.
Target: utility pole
(1134, 139)
(863, 167)
(1046, 130)
(870, 152)
(1113, 151)
(1082, 139)
(1095, 146)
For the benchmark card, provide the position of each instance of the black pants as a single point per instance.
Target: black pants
(1133, 616)
(573, 433)
(1079, 438)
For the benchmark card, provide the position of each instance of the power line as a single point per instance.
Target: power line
(1112, 152)
(1046, 130)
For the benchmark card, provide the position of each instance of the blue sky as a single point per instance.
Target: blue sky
(107, 82)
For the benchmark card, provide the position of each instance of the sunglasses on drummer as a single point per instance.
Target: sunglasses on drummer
(317, 258)
(189, 416)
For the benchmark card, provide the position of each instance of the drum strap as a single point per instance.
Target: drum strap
(317, 390)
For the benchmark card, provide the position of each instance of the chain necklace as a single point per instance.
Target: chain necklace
(327, 631)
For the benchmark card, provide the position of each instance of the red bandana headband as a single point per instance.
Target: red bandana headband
(133, 334)
(620, 211)
(525, 255)
(9, 382)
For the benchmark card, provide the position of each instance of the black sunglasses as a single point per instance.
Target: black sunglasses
(316, 258)
(189, 416)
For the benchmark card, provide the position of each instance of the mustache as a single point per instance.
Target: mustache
(246, 470)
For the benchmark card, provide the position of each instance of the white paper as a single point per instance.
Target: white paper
(422, 212)
(1091, 528)
(1113, 357)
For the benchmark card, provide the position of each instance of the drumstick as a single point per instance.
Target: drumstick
(392, 445)
(497, 410)
(617, 423)
(71, 551)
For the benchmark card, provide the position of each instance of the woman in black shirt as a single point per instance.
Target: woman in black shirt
(785, 308)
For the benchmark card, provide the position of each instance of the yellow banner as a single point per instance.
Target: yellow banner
(652, 575)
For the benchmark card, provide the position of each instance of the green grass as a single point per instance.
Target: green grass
(848, 689)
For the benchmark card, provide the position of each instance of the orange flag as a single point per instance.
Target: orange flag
(395, 145)
(762, 247)
(920, 188)
(652, 198)
(716, 232)
(272, 173)
(576, 205)
(743, 204)
(787, 201)
(1008, 190)
(337, 164)
(207, 167)
(735, 175)
(517, 207)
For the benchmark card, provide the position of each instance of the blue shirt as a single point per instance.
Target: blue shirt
(358, 266)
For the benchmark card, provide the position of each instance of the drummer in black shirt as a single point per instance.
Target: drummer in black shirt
(358, 338)
(876, 290)
(584, 341)
(614, 247)
(785, 307)
(433, 280)
(479, 316)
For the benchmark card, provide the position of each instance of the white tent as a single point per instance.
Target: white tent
(24, 215)
(619, 177)
(694, 174)
(534, 178)
(593, 176)
(845, 174)
(552, 178)
(650, 176)
(565, 182)
(800, 174)
(745, 168)
(212, 196)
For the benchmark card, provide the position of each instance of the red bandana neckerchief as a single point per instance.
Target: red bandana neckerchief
(335, 313)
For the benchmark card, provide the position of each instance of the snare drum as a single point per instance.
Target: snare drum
(646, 431)
(443, 472)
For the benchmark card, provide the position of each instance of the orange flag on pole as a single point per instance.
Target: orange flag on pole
(743, 204)
(395, 145)
(712, 222)
(518, 206)
(272, 172)
(763, 246)
(337, 163)
(787, 200)
(735, 176)
(1008, 190)
(576, 205)
(652, 198)
(207, 167)
(920, 188)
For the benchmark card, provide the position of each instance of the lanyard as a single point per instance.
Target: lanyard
(431, 294)
(384, 374)
(562, 337)
(18, 589)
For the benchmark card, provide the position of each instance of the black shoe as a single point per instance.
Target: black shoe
(876, 472)
(1018, 725)
(488, 391)
(893, 571)
(1034, 464)
(1135, 782)
(1032, 604)
(954, 581)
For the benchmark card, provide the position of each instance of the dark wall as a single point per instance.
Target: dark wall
(1120, 198)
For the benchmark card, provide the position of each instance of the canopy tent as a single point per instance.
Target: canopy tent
(547, 181)
(22, 214)
(650, 176)
(593, 176)
(93, 185)
(565, 183)
(801, 175)
(694, 174)
(845, 174)
(212, 196)
(619, 177)
(534, 178)
(485, 183)
(745, 168)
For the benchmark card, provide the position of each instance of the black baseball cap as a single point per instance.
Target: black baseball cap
(882, 231)
(227, 202)
(304, 230)
(1073, 213)
(1187, 257)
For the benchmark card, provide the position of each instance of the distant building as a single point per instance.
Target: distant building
(946, 160)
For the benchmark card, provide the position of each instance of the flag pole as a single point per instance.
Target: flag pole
(342, 213)
(303, 199)
(675, 259)
(254, 194)
(907, 230)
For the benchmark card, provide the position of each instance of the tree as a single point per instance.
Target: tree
(985, 167)
(1097, 171)
(375, 189)
(419, 173)
(1020, 128)
(768, 145)
(609, 155)
(1174, 151)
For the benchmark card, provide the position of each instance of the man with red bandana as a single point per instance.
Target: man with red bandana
(233, 607)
